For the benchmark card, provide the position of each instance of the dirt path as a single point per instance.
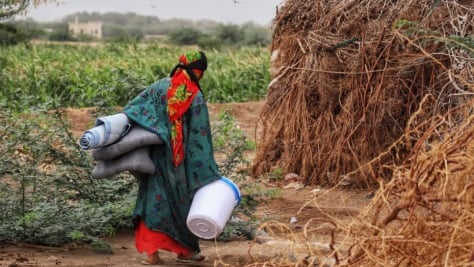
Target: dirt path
(288, 245)
(288, 219)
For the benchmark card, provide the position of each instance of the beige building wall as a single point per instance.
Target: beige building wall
(90, 28)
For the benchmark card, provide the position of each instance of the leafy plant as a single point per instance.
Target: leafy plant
(275, 175)
(231, 141)
(46, 193)
(63, 75)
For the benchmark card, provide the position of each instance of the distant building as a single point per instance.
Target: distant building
(93, 29)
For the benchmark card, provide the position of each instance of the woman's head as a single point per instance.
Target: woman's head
(193, 62)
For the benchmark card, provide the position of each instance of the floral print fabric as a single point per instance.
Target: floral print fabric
(180, 96)
(164, 198)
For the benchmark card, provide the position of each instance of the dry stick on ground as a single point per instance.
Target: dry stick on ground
(332, 242)
(20, 244)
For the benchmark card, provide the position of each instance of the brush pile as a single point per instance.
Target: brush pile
(349, 75)
(379, 93)
(425, 215)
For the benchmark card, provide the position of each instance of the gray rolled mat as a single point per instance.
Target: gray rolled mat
(138, 160)
(136, 137)
(107, 130)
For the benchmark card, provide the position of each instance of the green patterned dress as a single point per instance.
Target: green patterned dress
(164, 199)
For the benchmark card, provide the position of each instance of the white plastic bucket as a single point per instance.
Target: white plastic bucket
(212, 207)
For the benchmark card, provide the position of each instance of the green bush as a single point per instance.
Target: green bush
(185, 36)
(46, 190)
(47, 195)
(61, 33)
(230, 34)
(231, 141)
(207, 42)
(10, 35)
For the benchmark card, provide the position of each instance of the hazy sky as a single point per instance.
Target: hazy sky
(225, 11)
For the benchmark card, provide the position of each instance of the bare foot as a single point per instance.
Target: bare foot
(196, 257)
(152, 259)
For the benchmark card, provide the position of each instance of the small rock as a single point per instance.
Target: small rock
(293, 220)
(295, 185)
(260, 236)
(235, 219)
(316, 191)
(54, 259)
(292, 177)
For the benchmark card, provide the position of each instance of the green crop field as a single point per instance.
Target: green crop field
(74, 75)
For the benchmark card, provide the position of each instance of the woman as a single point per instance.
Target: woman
(174, 108)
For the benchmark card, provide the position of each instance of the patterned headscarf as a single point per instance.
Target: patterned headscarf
(183, 88)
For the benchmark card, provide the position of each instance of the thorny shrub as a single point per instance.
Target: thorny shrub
(47, 194)
(231, 141)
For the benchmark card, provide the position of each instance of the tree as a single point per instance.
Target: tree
(254, 34)
(229, 34)
(186, 36)
(10, 34)
(116, 33)
(209, 42)
(10, 8)
(61, 33)
(19, 31)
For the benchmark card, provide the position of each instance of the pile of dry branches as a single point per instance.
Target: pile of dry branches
(380, 92)
(349, 75)
(425, 215)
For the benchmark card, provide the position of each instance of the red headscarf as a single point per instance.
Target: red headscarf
(183, 88)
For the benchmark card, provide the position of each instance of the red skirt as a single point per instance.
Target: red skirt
(150, 241)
